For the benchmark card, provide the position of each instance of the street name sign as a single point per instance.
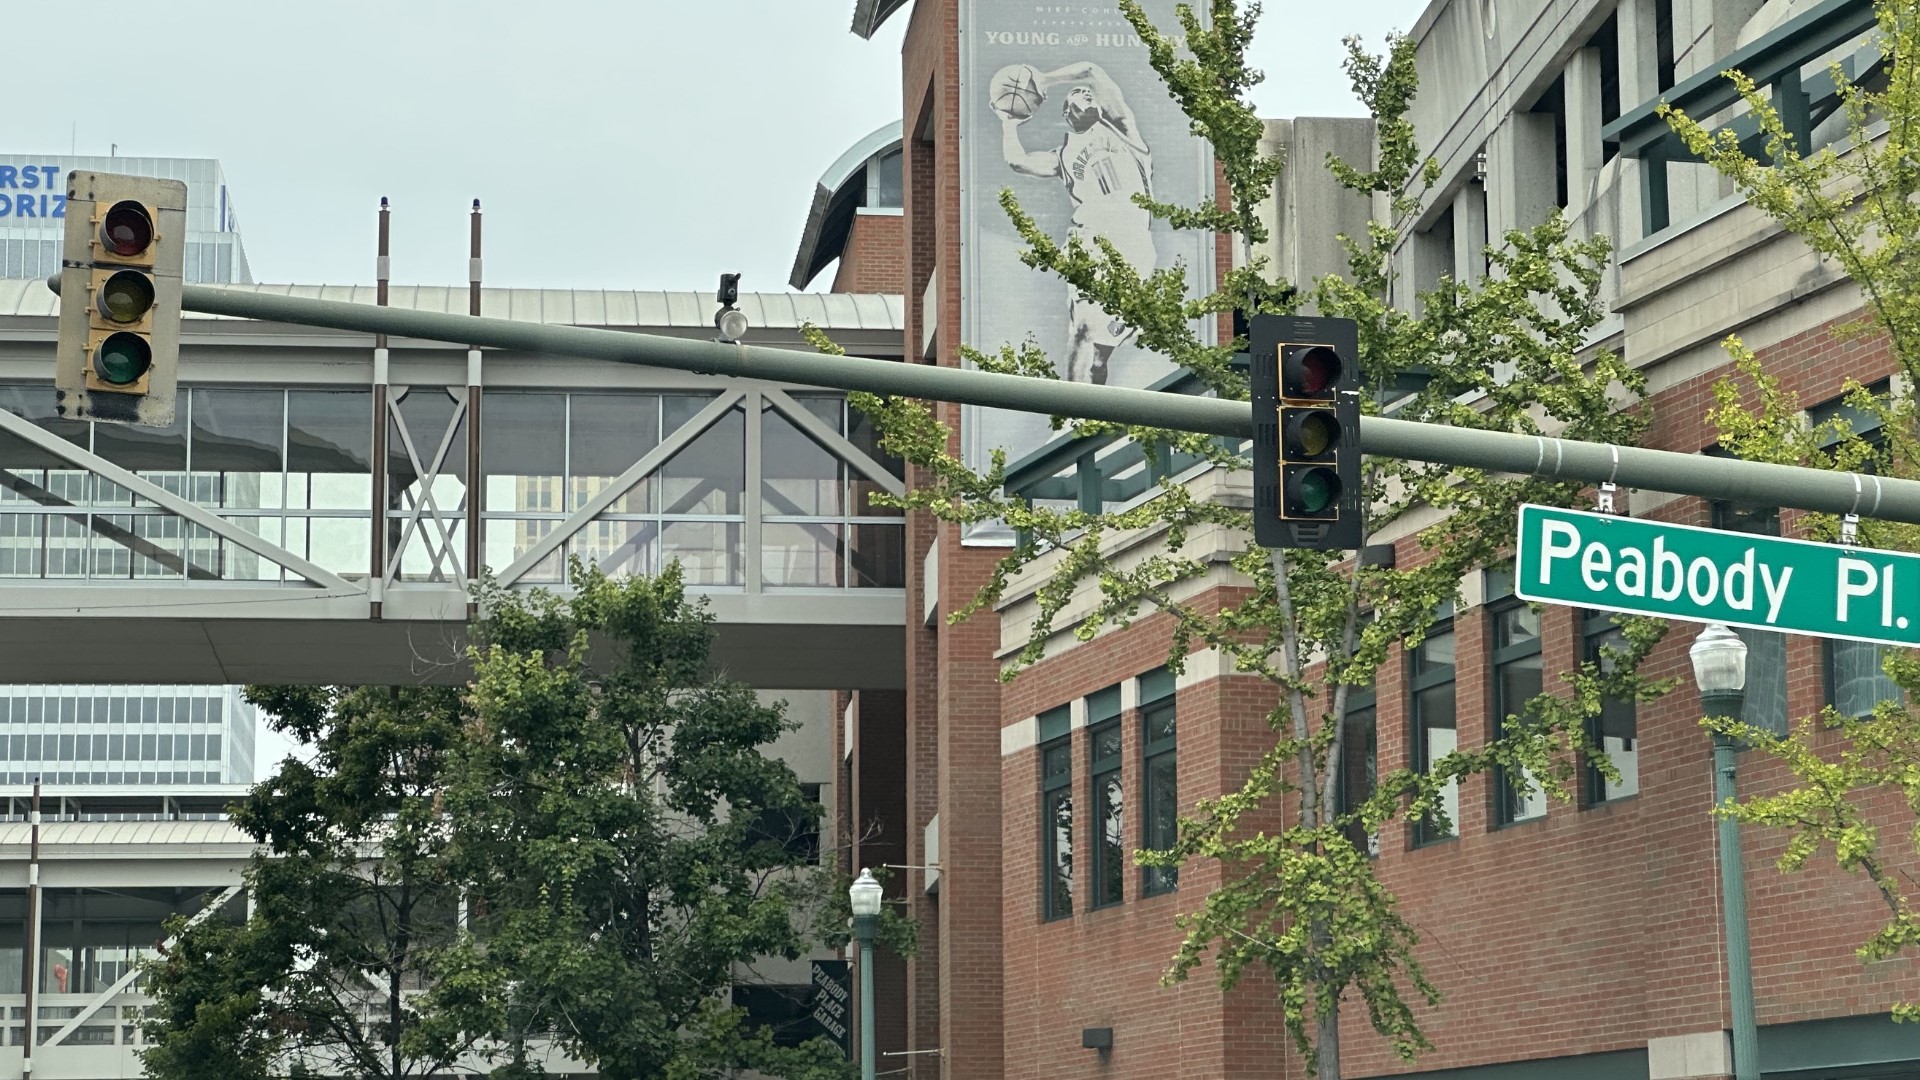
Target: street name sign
(1612, 563)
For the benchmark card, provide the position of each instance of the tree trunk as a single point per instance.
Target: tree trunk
(1327, 1042)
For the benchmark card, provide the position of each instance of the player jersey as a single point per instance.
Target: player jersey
(1101, 165)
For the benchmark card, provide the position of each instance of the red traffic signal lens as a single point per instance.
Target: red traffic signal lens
(1312, 491)
(122, 359)
(127, 230)
(126, 297)
(1309, 371)
(1311, 433)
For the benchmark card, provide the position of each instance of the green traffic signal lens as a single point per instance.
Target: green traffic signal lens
(1315, 490)
(122, 359)
(1315, 433)
(126, 231)
(126, 296)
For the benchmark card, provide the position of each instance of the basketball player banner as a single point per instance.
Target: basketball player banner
(1059, 103)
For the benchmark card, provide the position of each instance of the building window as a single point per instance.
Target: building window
(1359, 763)
(1056, 825)
(1855, 679)
(797, 832)
(785, 1012)
(1160, 778)
(1109, 848)
(884, 179)
(1516, 681)
(1766, 702)
(1614, 731)
(1435, 725)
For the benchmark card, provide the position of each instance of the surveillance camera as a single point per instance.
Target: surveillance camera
(729, 289)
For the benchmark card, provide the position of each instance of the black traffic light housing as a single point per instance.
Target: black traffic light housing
(1306, 420)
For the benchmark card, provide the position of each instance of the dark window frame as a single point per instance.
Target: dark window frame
(1104, 771)
(1154, 753)
(1756, 520)
(1360, 699)
(1498, 657)
(1865, 426)
(1418, 682)
(797, 833)
(1051, 788)
(1595, 628)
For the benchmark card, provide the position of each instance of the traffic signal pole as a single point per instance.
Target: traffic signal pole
(1656, 470)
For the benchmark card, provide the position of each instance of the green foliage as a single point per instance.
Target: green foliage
(598, 802)
(1503, 353)
(1854, 204)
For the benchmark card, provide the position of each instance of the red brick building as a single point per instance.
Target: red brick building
(1571, 940)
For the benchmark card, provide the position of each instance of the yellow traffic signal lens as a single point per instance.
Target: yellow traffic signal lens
(122, 359)
(127, 230)
(1316, 432)
(126, 297)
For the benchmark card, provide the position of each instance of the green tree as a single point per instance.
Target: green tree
(614, 805)
(1854, 203)
(580, 851)
(352, 915)
(1504, 353)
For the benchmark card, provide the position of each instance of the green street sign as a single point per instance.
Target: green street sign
(1705, 575)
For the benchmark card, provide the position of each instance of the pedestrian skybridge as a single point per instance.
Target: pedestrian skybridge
(316, 515)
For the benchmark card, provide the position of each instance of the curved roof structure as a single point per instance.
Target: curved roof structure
(145, 839)
(842, 190)
(869, 14)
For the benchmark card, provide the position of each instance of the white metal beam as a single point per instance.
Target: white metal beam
(648, 463)
(124, 981)
(166, 500)
(834, 442)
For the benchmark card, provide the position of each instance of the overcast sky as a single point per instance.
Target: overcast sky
(612, 143)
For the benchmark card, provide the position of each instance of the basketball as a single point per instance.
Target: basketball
(1015, 93)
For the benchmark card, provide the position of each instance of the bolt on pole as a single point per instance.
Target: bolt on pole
(1885, 498)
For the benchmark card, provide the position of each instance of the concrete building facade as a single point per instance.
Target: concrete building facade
(1571, 940)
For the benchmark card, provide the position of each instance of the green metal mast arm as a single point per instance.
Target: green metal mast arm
(1656, 470)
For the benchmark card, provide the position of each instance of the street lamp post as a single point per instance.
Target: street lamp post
(1720, 669)
(864, 897)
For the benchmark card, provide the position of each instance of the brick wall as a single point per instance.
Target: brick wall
(1594, 928)
(875, 258)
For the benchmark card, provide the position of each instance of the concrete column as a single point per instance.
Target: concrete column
(1520, 172)
(1639, 84)
(1730, 17)
(1581, 81)
(1470, 235)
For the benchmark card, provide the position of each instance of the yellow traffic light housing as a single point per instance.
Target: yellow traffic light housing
(120, 309)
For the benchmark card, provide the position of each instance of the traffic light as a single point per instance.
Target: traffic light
(1306, 417)
(120, 279)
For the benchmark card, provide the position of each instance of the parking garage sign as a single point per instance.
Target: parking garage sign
(1706, 575)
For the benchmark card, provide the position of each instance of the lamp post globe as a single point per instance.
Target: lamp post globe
(864, 895)
(1719, 660)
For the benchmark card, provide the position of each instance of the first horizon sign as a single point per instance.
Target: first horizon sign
(1706, 575)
